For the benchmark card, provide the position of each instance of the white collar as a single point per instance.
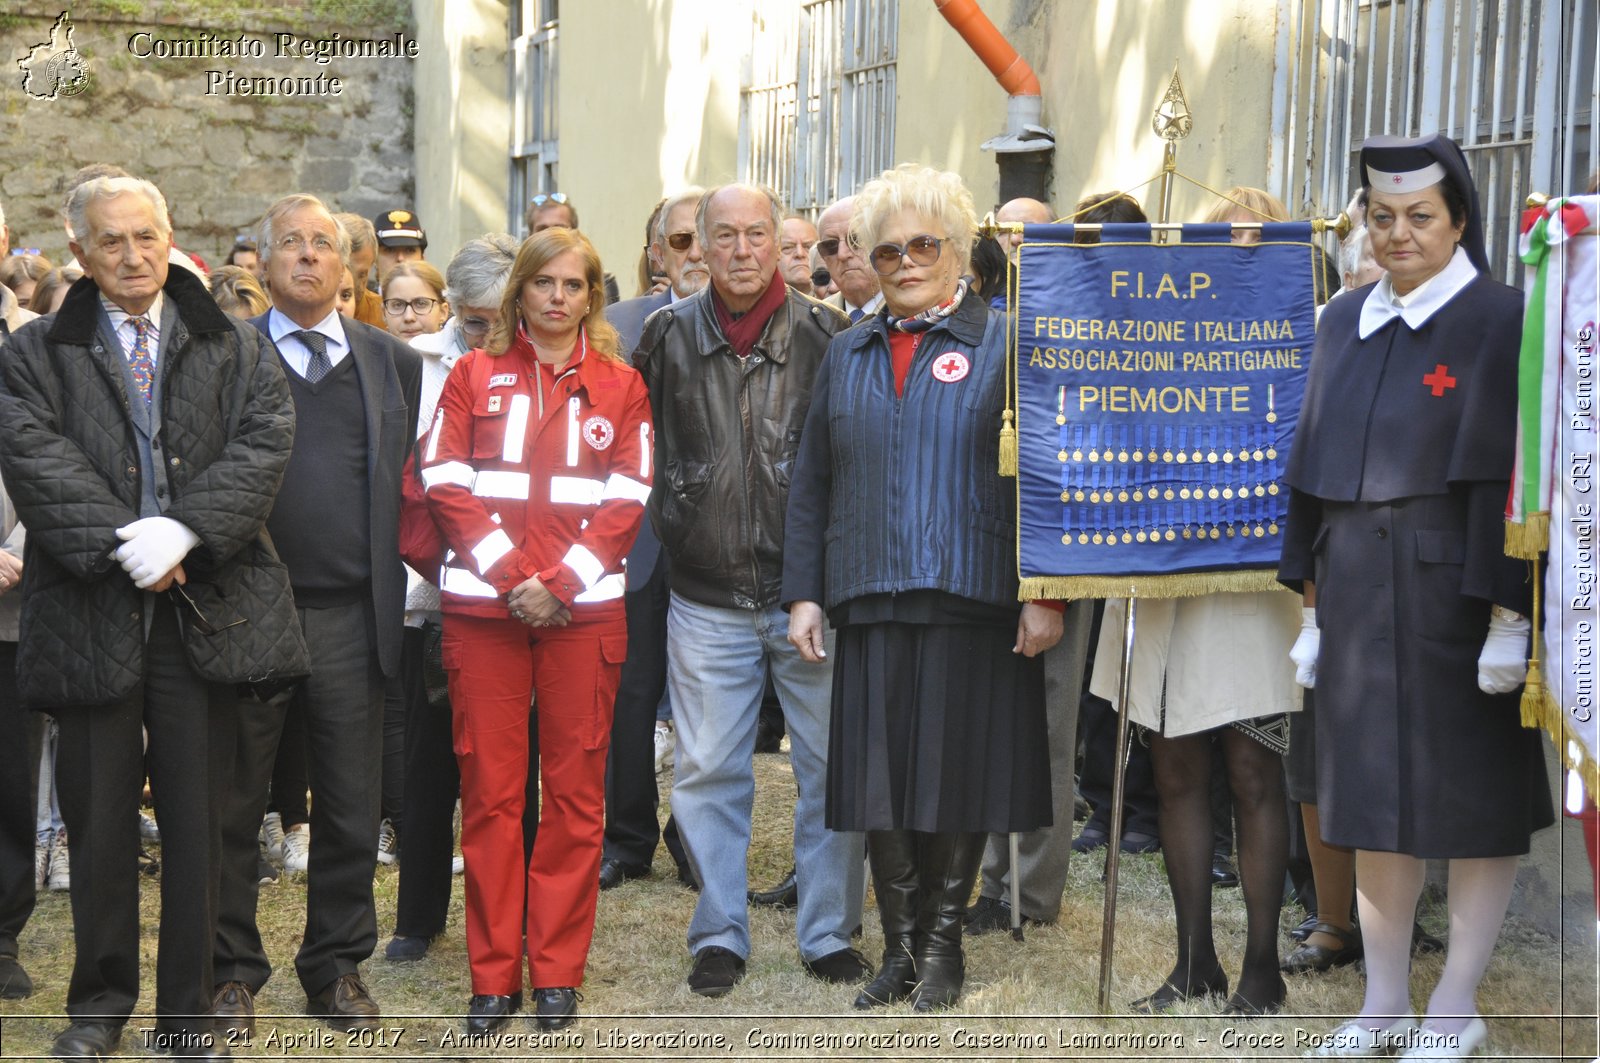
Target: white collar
(868, 308)
(281, 325)
(120, 317)
(1422, 302)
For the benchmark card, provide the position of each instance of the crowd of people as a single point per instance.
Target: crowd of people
(772, 474)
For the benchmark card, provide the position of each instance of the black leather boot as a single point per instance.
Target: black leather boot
(947, 867)
(894, 880)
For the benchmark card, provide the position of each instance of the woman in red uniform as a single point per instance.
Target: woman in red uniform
(536, 472)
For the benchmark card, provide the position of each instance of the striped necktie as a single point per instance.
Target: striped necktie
(140, 364)
(319, 366)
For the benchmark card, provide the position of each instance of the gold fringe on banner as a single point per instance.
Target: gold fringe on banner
(1534, 692)
(1529, 539)
(1569, 748)
(1166, 585)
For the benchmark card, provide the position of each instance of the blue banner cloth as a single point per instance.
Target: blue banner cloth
(1158, 386)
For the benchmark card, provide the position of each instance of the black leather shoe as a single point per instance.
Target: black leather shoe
(14, 981)
(1089, 839)
(191, 1044)
(345, 1004)
(1138, 843)
(686, 877)
(1303, 931)
(555, 1009)
(785, 896)
(1169, 995)
(486, 1013)
(406, 949)
(235, 1007)
(1223, 876)
(716, 971)
(614, 873)
(841, 967)
(87, 1040)
(1315, 959)
(995, 915)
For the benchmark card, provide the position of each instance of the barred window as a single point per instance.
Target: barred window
(535, 135)
(817, 110)
(1513, 81)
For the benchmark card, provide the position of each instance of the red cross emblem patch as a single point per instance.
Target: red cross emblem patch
(1439, 380)
(598, 432)
(949, 368)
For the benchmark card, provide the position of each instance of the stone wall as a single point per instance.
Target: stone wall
(220, 152)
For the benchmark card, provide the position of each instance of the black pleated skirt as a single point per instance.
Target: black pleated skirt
(936, 727)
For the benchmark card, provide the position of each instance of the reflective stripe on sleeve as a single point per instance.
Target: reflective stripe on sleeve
(620, 486)
(572, 431)
(576, 490)
(460, 581)
(644, 450)
(608, 589)
(492, 548)
(516, 429)
(458, 473)
(585, 564)
(495, 483)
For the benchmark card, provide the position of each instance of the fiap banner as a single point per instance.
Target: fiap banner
(1158, 388)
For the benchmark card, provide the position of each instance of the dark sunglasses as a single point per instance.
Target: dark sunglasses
(680, 241)
(921, 250)
(821, 278)
(829, 247)
(181, 597)
(548, 197)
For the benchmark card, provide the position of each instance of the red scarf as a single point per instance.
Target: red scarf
(743, 332)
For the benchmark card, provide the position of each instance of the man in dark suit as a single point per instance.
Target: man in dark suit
(631, 795)
(143, 434)
(335, 523)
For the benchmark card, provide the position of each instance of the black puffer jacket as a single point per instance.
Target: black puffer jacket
(71, 461)
(727, 432)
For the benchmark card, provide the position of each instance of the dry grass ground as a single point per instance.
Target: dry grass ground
(1033, 1000)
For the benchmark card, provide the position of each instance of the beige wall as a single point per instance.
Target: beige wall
(1107, 64)
(463, 121)
(649, 103)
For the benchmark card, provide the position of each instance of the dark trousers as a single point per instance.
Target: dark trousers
(287, 796)
(632, 829)
(433, 779)
(1098, 723)
(343, 705)
(21, 731)
(100, 771)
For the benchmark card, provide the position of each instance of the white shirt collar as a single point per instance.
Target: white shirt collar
(120, 317)
(871, 306)
(1422, 302)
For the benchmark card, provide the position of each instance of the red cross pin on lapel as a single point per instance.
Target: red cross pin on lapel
(1439, 380)
(951, 367)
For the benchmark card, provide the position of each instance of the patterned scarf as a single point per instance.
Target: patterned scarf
(933, 315)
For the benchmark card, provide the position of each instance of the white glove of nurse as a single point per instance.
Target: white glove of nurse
(1305, 649)
(152, 547)
(1503, 664)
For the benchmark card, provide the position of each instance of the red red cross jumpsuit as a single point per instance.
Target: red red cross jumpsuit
(529, 473)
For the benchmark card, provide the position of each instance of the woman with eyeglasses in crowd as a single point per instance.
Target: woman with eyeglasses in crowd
(900, 527)
(413, 300)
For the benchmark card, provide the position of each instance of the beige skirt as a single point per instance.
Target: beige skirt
(1221, 658)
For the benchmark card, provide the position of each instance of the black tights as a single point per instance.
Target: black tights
(1183, 784)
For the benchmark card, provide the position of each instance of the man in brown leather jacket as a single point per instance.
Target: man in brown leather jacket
(730, 372)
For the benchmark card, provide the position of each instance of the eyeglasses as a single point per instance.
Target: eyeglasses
(548, 197)
(294, 243)
(921, 250)
(828, 247)
(420, 305)
(680, 241)
(474, 328)
(821, 278)
(181, 597)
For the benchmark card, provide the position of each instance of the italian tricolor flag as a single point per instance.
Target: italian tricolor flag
(1554, 505)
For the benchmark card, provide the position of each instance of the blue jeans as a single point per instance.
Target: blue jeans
(717, 666)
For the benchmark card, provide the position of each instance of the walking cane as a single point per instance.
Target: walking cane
(1016, 888)
(1108, 926)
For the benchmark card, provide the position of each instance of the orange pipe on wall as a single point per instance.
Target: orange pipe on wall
(1013, 71)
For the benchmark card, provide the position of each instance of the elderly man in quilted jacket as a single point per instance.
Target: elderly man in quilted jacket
(143, 435)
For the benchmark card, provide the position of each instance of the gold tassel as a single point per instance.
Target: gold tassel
(1528, 539)
(1534, 696)
(1008, 446)
(1170, 585)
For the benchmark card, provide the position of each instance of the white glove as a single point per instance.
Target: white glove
(1503, 664)
(1305, 649)
(152, 547)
